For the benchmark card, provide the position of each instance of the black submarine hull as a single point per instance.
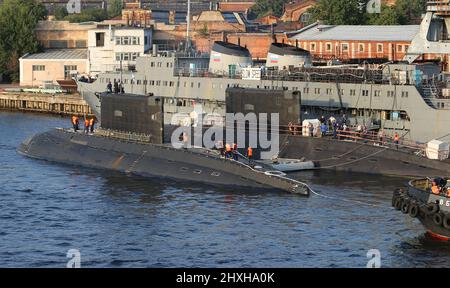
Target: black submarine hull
(332, 154)
(152, 160)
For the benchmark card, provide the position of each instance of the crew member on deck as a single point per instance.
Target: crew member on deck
(227, 151)
(235, 152)
(91, 124)
(249, 154)
(435, 188)
(396, 140)
(75, 123)
(86, 125)
(109, 87)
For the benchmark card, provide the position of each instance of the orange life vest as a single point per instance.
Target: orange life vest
(249, 152)
(396, 137)
(435, 190)
(74, 120)
(91, 122)
(86, 122)
(228, 147)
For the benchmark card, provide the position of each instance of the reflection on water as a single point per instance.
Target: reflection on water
(118, 220)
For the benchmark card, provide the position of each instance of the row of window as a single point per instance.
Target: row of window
(127, 40)
(68, 69)
(306, 90)
(376, 93)
(345, 47)
(127, 56)
(160, 64)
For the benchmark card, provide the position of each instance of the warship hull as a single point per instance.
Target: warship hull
(349, 156)
(152, 160)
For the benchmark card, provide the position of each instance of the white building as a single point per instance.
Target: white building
(109, 46)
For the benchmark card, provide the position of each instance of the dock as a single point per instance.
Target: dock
(61, 104)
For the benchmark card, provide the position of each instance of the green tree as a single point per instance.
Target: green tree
(115, 8)
(60, 13)
(86, 15)
(267, 7)
(204, 32)
(410, 11)
(18, 19)
(388, 16)
(338, 12)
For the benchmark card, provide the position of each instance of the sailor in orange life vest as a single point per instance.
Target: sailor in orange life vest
(435, 188)
(91, 124)
(396, 140)
(249, 154)
(75, 123)
(228, 151)
(86, 125)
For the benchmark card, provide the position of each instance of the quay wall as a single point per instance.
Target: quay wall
(45, 103)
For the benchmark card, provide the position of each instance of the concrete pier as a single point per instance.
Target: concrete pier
(61, 104)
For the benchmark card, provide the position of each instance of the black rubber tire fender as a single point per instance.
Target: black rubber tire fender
(394, 198)
(405, 205)
(432, 208)
(413, 210)
(398, 203)
(446, 221)
(399, 191)
(438, 218)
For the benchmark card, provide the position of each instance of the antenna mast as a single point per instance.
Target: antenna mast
(188, 25)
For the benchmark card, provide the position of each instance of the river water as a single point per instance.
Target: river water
(117, 220)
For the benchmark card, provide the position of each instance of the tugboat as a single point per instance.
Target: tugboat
(428, 200)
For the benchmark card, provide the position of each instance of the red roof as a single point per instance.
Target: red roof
(235, 6)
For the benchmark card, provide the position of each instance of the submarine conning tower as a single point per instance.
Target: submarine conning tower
(284, 56)
(228, 58)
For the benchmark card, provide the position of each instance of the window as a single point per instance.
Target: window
(352, 92)
(61, 44)
(118, 42)
(306, 90)
(158, 83)
(100, 39)
(365, 92)
(377, 93)
(329, 91)
(390, 94)
(67, 71)
(135, 40)
(313, 46)
(344, 47)
(125, 40)
(380, 48)
(405, 94)
(400, 48)
(361, 47)
(317, 90)
(38, 67)
(328, 47)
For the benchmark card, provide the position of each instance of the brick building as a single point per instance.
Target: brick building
(356, 43)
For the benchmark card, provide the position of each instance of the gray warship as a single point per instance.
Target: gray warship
(131, 140)
(410, 99)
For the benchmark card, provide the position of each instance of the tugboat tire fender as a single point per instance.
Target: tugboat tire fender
(438, 219)
(398, 203)
(431, 209)
(405, 206)
(446, 221)
(414, 210)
